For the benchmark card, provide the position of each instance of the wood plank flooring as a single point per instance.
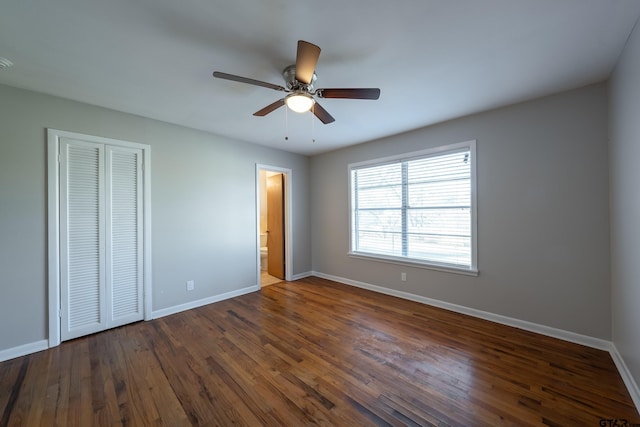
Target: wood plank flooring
(314, 352)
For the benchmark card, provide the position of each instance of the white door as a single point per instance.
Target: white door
(101, 258)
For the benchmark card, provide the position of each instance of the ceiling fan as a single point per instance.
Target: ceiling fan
(299, 79)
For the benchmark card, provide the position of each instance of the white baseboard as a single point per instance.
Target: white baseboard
(628, 379)
(301, 275)
(573, 337)
(497, 318)
(597, 343)
(23, 350)
(205, 301)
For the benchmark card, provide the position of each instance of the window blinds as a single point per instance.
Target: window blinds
(417, 208)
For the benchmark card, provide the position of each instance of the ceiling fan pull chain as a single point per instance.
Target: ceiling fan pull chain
(286, 125)
(313, 123)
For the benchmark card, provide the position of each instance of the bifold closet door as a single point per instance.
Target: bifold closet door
(100, 237)
(124, 235)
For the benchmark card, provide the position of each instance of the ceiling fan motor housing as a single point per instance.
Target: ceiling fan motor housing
(289, 75)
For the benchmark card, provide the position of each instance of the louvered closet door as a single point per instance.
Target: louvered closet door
(100, 237)
(124, 236)
(82, 234)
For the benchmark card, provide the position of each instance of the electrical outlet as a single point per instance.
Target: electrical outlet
(191, 285)
(403, 276)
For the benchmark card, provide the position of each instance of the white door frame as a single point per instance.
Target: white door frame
(53, 223)
(288, 267)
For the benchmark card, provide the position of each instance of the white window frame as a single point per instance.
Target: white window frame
(473, 268)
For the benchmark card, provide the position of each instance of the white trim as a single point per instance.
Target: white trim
(474, 205)
(53, 222)
(588, 341)
(628, 379)
(53, 235)
(201, 302)
(146, 230)
(288, 219)
(410, 262)
(302, 275)
(23, 350)
(427, 152)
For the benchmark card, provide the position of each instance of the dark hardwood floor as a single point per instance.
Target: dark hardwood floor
(314, 352)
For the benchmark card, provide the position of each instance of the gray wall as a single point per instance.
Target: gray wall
(543, 218)
(624, 146)
(202, 198)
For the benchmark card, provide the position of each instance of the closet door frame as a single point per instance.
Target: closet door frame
(53, 223)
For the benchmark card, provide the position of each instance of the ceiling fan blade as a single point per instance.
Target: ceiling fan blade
(240, 79)
(269, 108)
(365, 93)
(306, 60)
(322, 114)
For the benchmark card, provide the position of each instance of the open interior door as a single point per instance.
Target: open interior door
(275, 225)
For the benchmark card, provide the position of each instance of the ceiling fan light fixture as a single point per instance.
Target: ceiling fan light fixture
(299, 102)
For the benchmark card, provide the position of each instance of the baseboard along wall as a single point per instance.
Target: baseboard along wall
(573, 337)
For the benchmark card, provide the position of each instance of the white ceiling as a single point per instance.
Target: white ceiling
(433, 60)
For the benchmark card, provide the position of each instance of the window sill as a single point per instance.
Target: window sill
(414, 263)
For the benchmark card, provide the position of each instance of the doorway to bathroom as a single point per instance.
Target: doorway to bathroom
(273, 224)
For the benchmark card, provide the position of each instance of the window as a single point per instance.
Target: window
(417, 208)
